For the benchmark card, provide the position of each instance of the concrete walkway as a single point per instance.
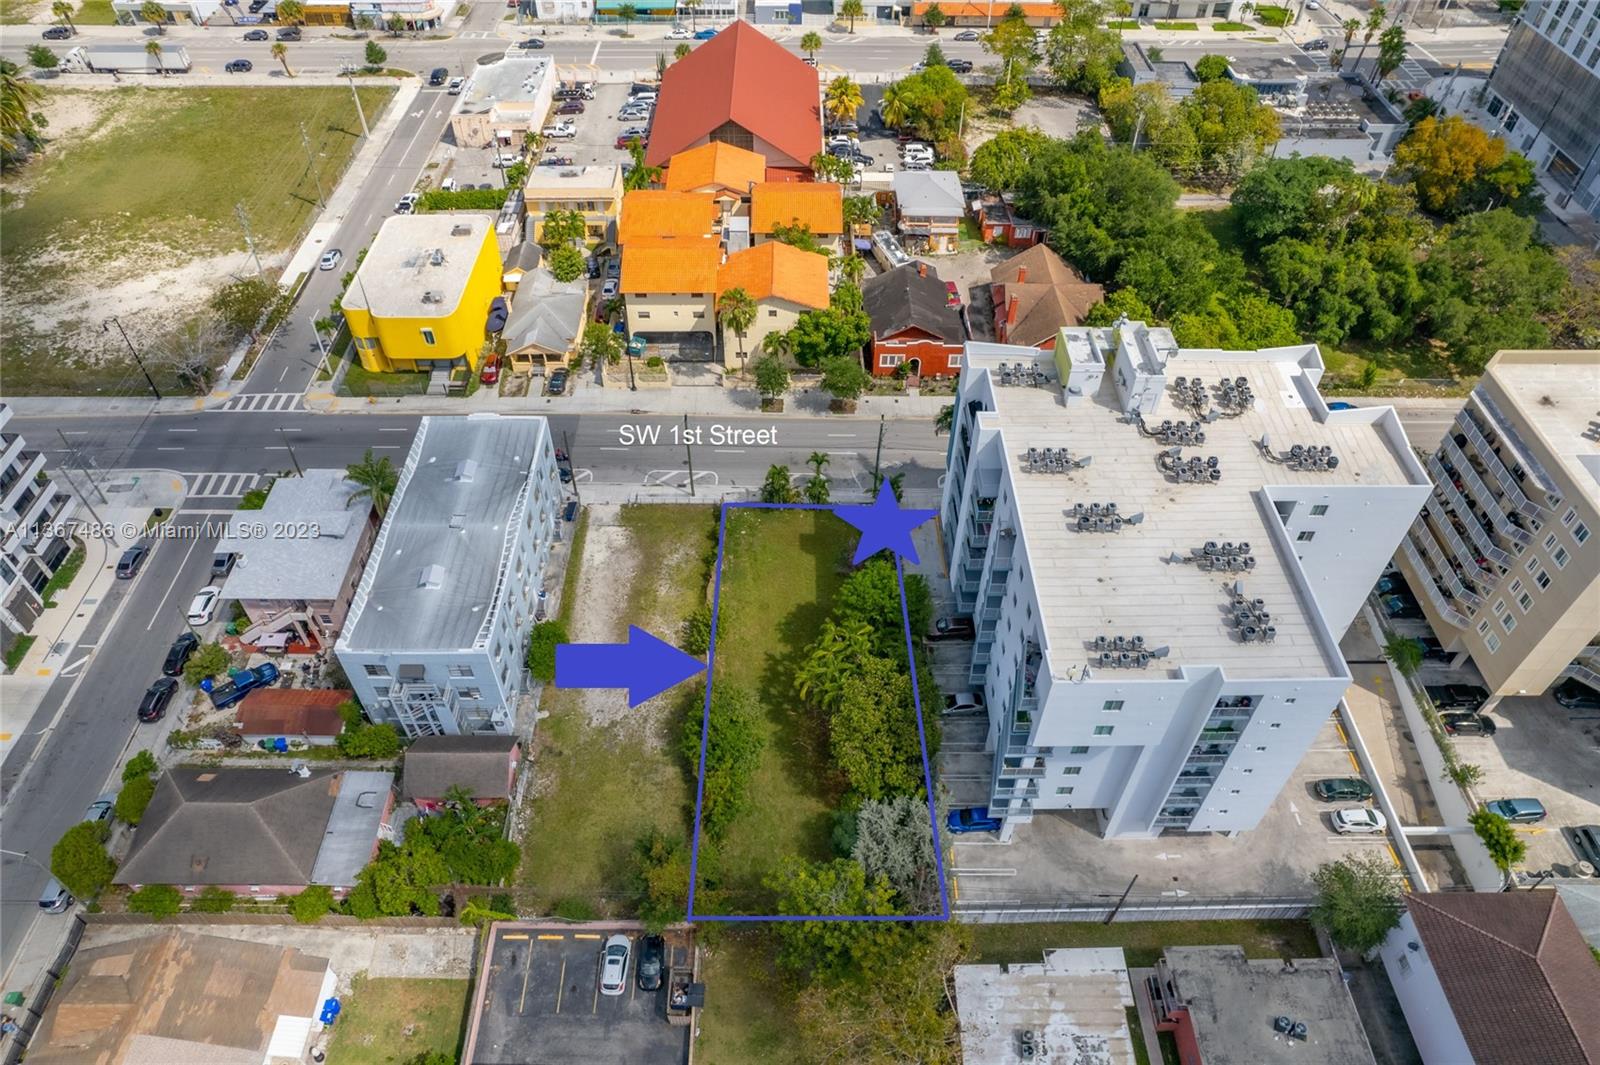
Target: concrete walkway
(1147, 1013)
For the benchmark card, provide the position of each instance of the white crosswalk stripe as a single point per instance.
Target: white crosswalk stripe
(264, 403)
(221, 485)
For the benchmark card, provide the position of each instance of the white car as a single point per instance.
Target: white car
(916, 149)
(408, 203)
(1359, 821)
(456, 85)
(614, 965)
(609, 288)
(204, 605)
(330, 259)
(680, 33)
(561, 131)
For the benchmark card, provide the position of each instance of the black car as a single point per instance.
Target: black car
(1576, 695)
(238, 66)
(1463, 698)
(557, 385)
(952, 628)
(532, 43)
(1467, 724)
(1585, 843)
(570, 107)
(57, 33)
(130, 562)
(439, 76)
(652, 957)
(959, 66)
(257, 35)
(153, 707)
(257, 5)
(289, 33)
(178, 656)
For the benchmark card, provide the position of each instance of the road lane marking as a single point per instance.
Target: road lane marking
(183, 430)
(394, 429)
(154, 617)
(169, 449)
(728, 450)
(848, 436)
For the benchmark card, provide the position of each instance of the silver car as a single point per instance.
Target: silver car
(614, 965)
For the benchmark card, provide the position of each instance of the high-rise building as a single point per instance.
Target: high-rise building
(1545, 93)
(1159, 549)
(1505, 557)
(34, 512)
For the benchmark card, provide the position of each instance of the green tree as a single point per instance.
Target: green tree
(566, 263)
(860, 211)
(945, 420)
(842, 99)
(43, 58)
(79, 860)
(1012, 43)
(542, 644)
(1499, 838)
(369, 741)
(934, 17)
(1082, 52)
(214, 900)
(778, 487)
(839, 653)
(1139, 115)
(1457, 168)
(834, 952)
(377, 477)
(738, 313)
(682, 49)
(661, 877)
(934, 56)
(1358, 901)
(291, 12)
(1370, 28)
(280, 52)
(817, 490)
(311, 904)
(844, 379)
(930, 105)
(395, 24)
(772, 376)
(732, 752)
(628, 13)
(142, 764)
(1211, 67)
(376, 55)
(821, 336)
(243, 304)
(1231, 125)
(1350, 26)
(18, 97)
(562, 227)
(697, 630)
(133, 798)
(159, 901)
(811, 43)
(153, 50)
(871, 596)
(208, 660)
(872, 733)
(894, 839)
(852, 268)
(153, 13)
(1001, 161)
(852, 10)
(1123, 303)
(1391, 50)
(600, 345)
(62, 10)
(404, 879)
(1403, 651)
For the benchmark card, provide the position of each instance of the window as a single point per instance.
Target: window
(644, 314)
(1492, 642)
(1499, 606)
(1276, 724)
(1570, 516)
(470, 693)
(1104, 730)
(461, 671)
(1112, 706)
(1550, 542)
(891, 360)
(1580, 532)
(772, 312)
(1289, 700)
(377, 671)
(1508, 623)
(1247, 772)
(1077, 750)
(1233, 791)
(1516, 586)
(1071, 770)
(1305, 536)
(1319, 510)
(427, 336)
(1559, 557)
(699, 314)
(1063, 791)
(1542, 580)
(381, 691)
(1525, 601)
(954, 362)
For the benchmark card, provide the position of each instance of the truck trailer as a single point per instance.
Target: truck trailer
(127, 59)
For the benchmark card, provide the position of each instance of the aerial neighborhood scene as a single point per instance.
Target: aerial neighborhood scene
(810, 532)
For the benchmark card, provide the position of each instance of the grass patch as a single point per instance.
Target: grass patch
(17, 12)
(360, 381)
(748, 1019)
(1231, 27)
(63, 576)
(1264, 40)
(780, 573)
(569, 581)
(1178, 26)
(1123, 24)
(1141, 1053)
(95, 13)
(19, 649)
(1272, 16)
(387, 1021)
(1142, 941)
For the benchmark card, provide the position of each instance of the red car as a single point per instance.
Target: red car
(954, 297)
(625, 142)
(491, 371)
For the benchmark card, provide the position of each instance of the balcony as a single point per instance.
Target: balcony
(1450, 502)
(1218, 735)
(1495, 468)
(1196, 759)
(1443, 572)
(1497, 522)
(1446, 609)
(1491, 501)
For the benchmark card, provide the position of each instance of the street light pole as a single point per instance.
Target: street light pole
(361, 113)
(105, 327)
(25, 856)
(689, 451)
(297, 470)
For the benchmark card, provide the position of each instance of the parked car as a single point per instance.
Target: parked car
(178, 654)
(257, 35)
(952, 628)
(1433, 650)
(1342, 789)
(967, 35)
(1518, 811)
(634, 114)
(1340, 405)
(1463, 698)
(1393, 584)
(438, 76)
(456, 85)
(222, 563)
(609, 287)
(289, 33)
(132, 559)
(959, 66)
(614, 267)
(570, 107)
(153, 707)
(242, 682)
(100, 809)
(575, 92)
(1400, 606)
(490, 374)
(561, 131)
(652, 957)
(1467, 724)
(557, 384)
(679, 33)
(330, 259)
(1359, 821)
(971, 819)
(55, 898)
(614, 965)
(1576, 695)
(1585, 843)
(571, 511)
(57, 33)
(204, 605)
(627, 140)
(963, 702)
(705, 35)
(532, 44)
(408, 203)
(237, 66)
(257, 5)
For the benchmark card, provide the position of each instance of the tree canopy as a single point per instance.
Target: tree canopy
(1458, 168)
(1358, 901)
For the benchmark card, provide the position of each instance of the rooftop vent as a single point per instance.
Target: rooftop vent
(1169, 432)
(460, 229)
(1023, 373)
(1226, 557)
(432, 296)
(1124, 652)
(1053, 460)
(1100, 517)
(465, 469)
(437, 257)
(431, 577)
(1307, 458)
(1194, 470)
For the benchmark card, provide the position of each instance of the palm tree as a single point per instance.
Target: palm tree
(18, 96)
(842, 99)
(682, 50)
(852, 10)
(852, 268)
(811, 43)
(945, 421)
(377, 477)
(153, 49)
(153, 13)
(291, 12)
(694, 11)
(63, 11)
(1350, 26)
(1373, 24)
(627, 13)
(641, 176)
(738, 312)
(817, 489)
(775, 343)
(893, 109)
(280, 52)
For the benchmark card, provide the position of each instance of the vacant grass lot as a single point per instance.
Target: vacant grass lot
(747, 1020)
(780, 571)
(600, 788)
(1142, 941)
(389, 1021)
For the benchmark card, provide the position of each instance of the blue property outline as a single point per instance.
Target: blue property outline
(705, 735)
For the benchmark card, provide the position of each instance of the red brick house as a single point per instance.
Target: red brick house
(997, 217)
(1036, 294)
(914, 324)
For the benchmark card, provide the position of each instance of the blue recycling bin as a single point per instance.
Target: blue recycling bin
(207, 684)
(280, 744)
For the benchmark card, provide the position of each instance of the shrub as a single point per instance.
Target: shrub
(501, 902)
(208, 660)
(697, 630)
(463, 200)
(1358, 901)
(156, 900)
(133, 798)
(733, 750)
(655, 362)
(214, 900)
(1499, 838)
(79, 860)
(661, 875)
(310, 905)
(141, 764)
(369, 741)
(574, 910)
(542, 649)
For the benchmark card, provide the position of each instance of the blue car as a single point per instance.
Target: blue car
(972, 819)
(1341, 406)
(242, 682)
(705, 35)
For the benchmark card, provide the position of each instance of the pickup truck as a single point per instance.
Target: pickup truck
(242, 682)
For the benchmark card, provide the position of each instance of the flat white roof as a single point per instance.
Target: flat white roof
(418, 265)
(1075, 1004)
(1557, 396)
(1102, 583)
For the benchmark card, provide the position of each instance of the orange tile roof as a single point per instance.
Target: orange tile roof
(776, 270)
(715, 166)
(660, 213)
(818, 204)
(653, 265)
(981, 10)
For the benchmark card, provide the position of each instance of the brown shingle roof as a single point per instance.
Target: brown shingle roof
(293, 712)
(435, 764)
(1519, 977)
(1050, 294)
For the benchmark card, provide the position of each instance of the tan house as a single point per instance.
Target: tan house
(784, 282)
(593, 191)
(670, 286)
(547, 318)
(502, 103)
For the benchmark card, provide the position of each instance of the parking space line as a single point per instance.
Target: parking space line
(594, 1007)
(561, 985)
(516, 935)
(549, 937)
(584, 935)
(527, 970)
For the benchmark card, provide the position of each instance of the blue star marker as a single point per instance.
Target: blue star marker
(884, 525)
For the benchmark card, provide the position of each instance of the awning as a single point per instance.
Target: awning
(497, 315)
(863, 244)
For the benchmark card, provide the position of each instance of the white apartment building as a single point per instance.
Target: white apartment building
(436, 638)
(34, 509)
(1159, 549)
(1544, 92)
(1505, 557)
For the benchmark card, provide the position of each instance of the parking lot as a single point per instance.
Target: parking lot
(540, 1002)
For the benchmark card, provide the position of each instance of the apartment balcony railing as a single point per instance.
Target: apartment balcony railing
(1512, 439)
(1445, 576)
(1495, 467)
(1579, 671)
(1440, 603)
(1451, 501)
(1476, 491)
(1196, 759)
(1462, 555)
(1219, 735)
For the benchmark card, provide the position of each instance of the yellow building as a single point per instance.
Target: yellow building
(593, 191)
(420, 299)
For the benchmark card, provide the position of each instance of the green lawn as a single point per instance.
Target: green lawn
(95, 13)
(1178, 26)
(747, 1018)
(582, 828)
(389, 1021)
(1142, 941)
(64, 575)
(19, 648)
(1231, 27)
(1123, 24)
(780, 573)
(360, 381)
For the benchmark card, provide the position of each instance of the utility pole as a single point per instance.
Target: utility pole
(71, 451)
(249, 241)
(297, 470)
(105, 327)
(689, 451)
(311, 161)
(321, 347)
(877, 460)
(566, 446)
(349, 76)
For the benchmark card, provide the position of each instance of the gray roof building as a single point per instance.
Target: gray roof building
(546, 314)
(320, 508)
(419, 264)
(911, 296)
(481, 764)
(1139, 68)
(929, 193)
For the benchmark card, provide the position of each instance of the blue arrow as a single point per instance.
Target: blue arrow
(645, 665)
